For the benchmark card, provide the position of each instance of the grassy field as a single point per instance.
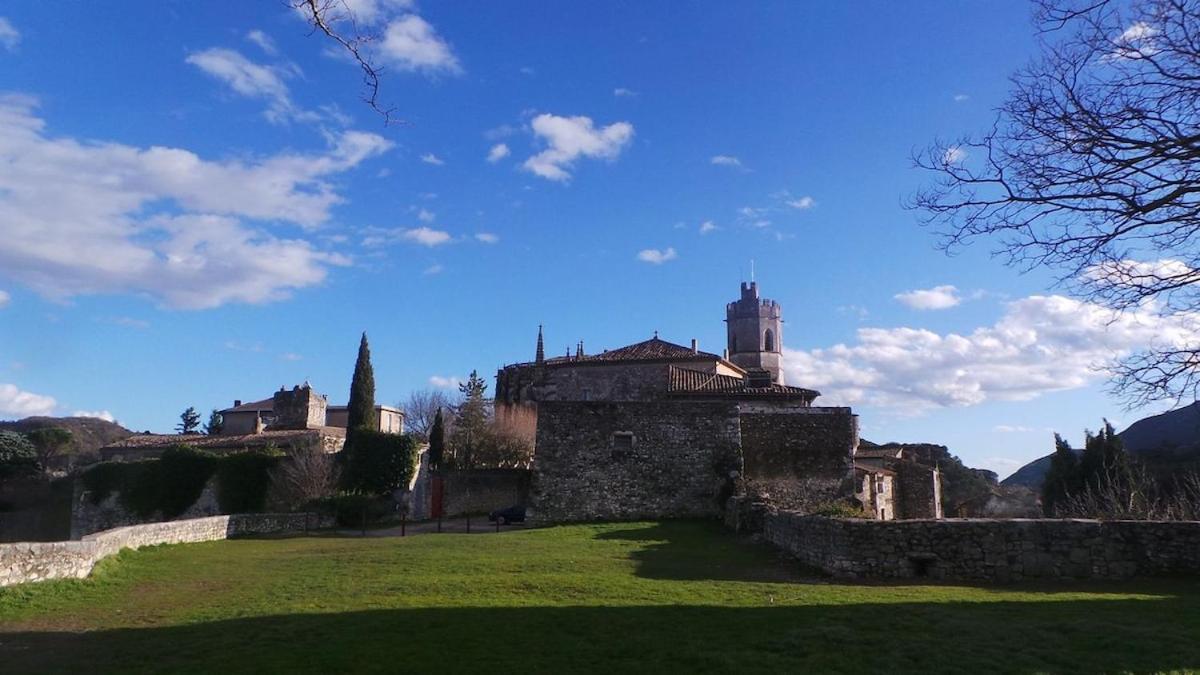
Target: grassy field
(665, 597)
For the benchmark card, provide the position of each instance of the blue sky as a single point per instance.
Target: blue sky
(195, 206)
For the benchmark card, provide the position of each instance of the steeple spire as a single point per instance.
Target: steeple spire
(541, 350)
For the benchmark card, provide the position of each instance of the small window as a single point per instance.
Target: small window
(768, 341)
(622, 444)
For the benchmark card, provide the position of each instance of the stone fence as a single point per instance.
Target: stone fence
(985, 549)
(37, 561)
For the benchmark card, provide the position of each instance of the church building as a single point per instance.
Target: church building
(657, 429)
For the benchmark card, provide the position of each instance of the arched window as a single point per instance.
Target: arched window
(732, 343)
(768, 341)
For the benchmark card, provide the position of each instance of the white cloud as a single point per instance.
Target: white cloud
(1013, 429)
(430, 158)
(1041, 344)
(427, 236)
(85, 217)
(938, 297)
(802, 203)
(432, 270)
(5, 298)
(498, 152)
(487, 237)
(410, 43)
(290, 356)
(10, 38)
(98, 414)
(569, 138)
(726, 160)
(1135, 42)
(253, 80)
(17, 403)
(959, 98)
(128, 322)
(655, 256)
(425, 215)
(622, 92)
(263, 41)
(954, 155)
(440, 382)
(708, 226)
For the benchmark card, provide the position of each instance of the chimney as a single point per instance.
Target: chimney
(758, 377)
(695, 346)
(237, 402)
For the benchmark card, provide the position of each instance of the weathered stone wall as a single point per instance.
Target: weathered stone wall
(621, 461)
(88, 517)
(25, 562)
(987, 550)
(483, 490)
(916, 497)
(799, 456)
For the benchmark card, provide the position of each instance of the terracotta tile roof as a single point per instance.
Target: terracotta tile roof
(265, 405)
(685, 381)
(280, 437)
(653, 349)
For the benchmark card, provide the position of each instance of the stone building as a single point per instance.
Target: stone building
(291, 419)
(893, 486)
(657, 429)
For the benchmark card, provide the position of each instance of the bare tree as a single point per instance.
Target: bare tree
(305, 475)
(336, 20)
(421, 408)
(1092, 169)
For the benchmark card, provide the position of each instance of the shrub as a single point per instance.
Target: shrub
(350, 509)
(17, 455)
(376, 463)
(168, 485)
(243, 480)
(307, 475)
(839, 510)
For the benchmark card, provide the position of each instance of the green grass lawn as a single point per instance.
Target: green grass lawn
(661, 597)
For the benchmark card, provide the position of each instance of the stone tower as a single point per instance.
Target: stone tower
(755, 329)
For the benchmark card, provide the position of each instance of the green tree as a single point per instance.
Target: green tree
(49, 442)
(1063, 478)
(1103, 458)
(17, 455)
(437, 440)
(216, 423)
(471, 422)
(189, 421)
(361, 407)
(378, 463)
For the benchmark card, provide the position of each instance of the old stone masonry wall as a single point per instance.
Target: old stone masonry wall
(987, 550)
(623, 461)
(37, 561)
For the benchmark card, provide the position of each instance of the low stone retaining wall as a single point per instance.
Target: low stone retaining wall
(37, 561)
(985, 549)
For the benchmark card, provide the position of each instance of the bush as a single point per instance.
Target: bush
(349, 510)
(377, 463)
(17, 455)
(168, 485)
(839, 510)
(183, 472)
(243, 480)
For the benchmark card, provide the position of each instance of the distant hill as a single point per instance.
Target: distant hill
(1169, 439)
(88, 434)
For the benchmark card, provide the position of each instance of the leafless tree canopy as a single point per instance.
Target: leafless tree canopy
(335, 19)
(420, 409)
(1092, 169)
(305, 475)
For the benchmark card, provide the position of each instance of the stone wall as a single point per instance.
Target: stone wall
(918, 494)
(987, 550)
(799, 456)
(483, 490)
(25, 562)
(88, 517)
(623, 461)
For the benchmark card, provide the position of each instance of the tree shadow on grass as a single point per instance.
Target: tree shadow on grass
(695, 550)
(1137, 636)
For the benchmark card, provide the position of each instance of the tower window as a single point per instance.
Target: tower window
(768, 341)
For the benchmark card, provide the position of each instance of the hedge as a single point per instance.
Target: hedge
(377, 463)
(172, 483)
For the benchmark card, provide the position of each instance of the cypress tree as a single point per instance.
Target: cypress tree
(437, 441)
(361, 407)
(1063, 479)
